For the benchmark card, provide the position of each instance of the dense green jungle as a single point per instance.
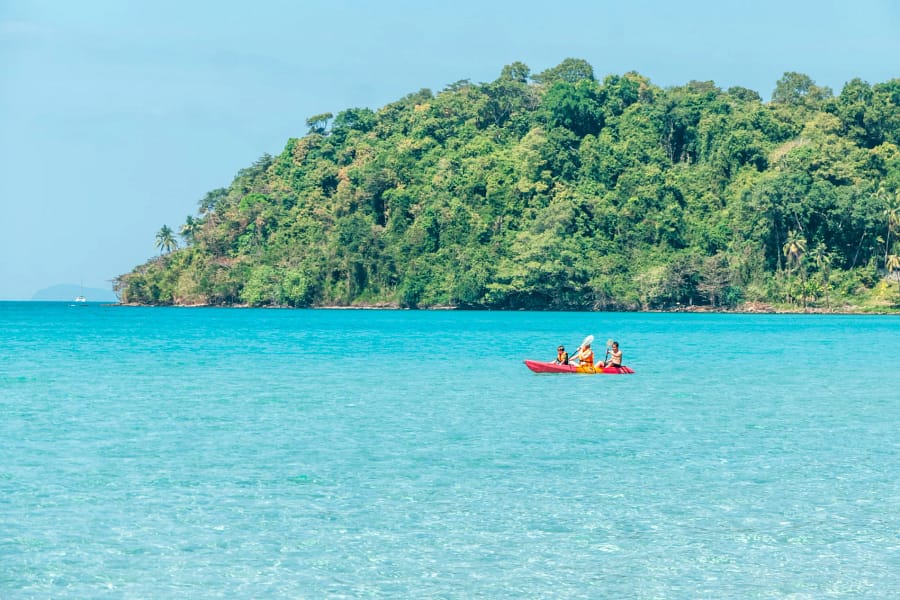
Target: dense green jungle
(559, 191)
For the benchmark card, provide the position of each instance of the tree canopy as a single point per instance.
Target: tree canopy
(560, 191)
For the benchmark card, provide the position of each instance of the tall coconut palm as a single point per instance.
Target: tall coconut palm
(892, 264)
(165, 239)
(794, 249)
(823, 259)
(189, 229)
(892, 215)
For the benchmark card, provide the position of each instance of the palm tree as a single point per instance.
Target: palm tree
(892, 214)
(893, 264)
(189, 229)
(794, 249)
(823, 258)
(165, 239)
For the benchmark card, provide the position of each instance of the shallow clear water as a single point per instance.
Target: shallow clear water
(149, 452)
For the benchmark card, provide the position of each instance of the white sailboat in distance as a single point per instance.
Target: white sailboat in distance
(80, 297)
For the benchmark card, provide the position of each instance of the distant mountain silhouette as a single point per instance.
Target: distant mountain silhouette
(67, 291)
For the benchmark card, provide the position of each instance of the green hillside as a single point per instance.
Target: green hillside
(558, 191)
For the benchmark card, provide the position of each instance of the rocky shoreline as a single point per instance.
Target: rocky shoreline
(745, 308)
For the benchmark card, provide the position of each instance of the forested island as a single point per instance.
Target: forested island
(559, 191)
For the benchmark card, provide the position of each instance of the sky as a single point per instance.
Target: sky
(117, 117)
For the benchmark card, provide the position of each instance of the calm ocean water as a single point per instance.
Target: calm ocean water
(216, 453)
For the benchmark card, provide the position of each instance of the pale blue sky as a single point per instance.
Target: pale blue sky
(117, 117)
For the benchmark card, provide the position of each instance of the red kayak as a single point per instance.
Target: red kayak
(551, 367)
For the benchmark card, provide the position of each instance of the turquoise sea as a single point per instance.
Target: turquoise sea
(238, 453)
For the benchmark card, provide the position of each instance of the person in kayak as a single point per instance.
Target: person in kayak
(562, 357)
(615, 357)
(585, 356)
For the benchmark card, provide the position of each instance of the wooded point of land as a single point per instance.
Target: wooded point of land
(559, 191)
